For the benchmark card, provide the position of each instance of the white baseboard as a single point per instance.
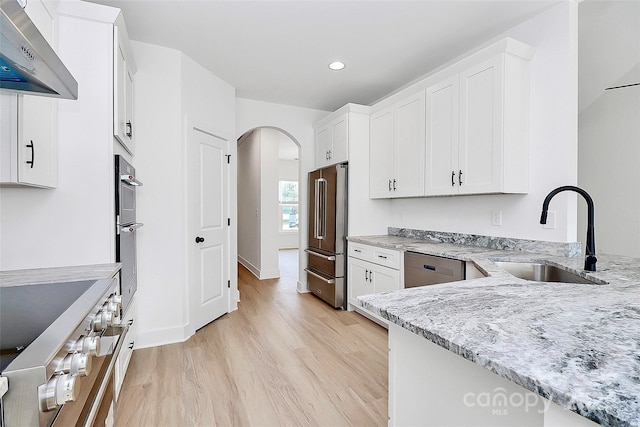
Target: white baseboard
(260, 274)
(158, 337)
(252, 268)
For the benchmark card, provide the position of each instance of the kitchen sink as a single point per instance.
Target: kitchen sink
(539, 272)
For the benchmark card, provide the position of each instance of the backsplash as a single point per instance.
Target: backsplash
(573, 249)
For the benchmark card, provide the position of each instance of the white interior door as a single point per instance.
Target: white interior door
(209, 201)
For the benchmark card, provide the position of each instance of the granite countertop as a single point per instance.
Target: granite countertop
(57, 274)
(575, 344)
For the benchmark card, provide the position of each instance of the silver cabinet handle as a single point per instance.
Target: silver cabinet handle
(131, 228)
(394, 185)
(382, 256)
(324, 279)
(366, 275)
(389, 185)
(460, 177)
(328, 258)
(453, 175)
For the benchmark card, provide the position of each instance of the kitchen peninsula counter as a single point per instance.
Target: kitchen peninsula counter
(577, 345)
(39, 276)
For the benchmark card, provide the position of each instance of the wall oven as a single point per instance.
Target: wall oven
(60, 342)
(126, 227)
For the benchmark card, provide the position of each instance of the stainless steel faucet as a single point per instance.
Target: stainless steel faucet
(590, 252)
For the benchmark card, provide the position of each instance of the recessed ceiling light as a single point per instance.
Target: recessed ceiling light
(336, 65)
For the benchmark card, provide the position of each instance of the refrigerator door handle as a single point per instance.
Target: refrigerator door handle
(320, 218)
(324, 279)
(328, 258)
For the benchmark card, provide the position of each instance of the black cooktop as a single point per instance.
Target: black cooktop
(27, 311)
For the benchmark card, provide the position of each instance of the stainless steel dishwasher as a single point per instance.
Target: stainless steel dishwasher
(421, 270)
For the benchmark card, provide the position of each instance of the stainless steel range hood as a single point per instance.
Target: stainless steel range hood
(27, 63)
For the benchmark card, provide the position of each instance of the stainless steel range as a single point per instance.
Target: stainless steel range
(59, 343)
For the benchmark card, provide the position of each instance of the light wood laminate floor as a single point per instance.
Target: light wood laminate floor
(281, 359)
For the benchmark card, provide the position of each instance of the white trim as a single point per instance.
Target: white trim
(157, 337)
(260, 274)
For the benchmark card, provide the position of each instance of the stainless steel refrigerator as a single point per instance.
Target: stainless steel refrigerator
(326, 254)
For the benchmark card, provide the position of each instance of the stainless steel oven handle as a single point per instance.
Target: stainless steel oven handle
(328, 258)
(105, 380)
(130, 179)
(324, 279)
(131, 228)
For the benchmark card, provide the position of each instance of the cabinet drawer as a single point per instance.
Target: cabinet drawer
(386, 257)
(381, 256)
(357, 250)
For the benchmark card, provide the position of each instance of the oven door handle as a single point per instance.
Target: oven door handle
(131, 228)
(123, 329)
(130, 179)
(328, 258)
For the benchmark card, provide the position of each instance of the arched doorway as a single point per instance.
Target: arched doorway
(269, 199)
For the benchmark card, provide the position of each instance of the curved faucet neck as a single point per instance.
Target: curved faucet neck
(590, 250)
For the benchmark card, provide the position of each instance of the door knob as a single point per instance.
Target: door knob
(199, 239)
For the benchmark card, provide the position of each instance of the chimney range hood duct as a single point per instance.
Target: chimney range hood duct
(27, 63)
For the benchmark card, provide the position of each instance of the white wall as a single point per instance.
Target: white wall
(609, 134)
(74, 223)
(269, 222)
(258, 203)
(297, 123)
(288, 171)
(162, 112)
(553, 146)
(249, 202)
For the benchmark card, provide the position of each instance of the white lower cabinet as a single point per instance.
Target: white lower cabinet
(122, 363)
(371, 270)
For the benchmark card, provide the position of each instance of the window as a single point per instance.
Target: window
(288, 200)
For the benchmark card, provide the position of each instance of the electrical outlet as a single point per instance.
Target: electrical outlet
(551, 221)
(496, 218)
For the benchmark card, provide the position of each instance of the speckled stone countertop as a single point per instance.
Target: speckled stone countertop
(575, 344)
(57, 274)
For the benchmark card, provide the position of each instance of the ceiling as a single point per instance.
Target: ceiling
(279, 51)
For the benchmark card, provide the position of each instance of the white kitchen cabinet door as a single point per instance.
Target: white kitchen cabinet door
(481, 124)
(397, 147)
(381, 153)
(358, 282)
(384, 278)
(339, 150)
(37, 141)
(443, 111)
(122, 92)
(408, 179)
(29, 141)
(332, 142)
(122, 364)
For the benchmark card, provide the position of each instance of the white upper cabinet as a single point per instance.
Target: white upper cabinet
(332, 141)
(477, 129)
(124, 70)
(397, 147)
(29, 136)
(334, 132)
